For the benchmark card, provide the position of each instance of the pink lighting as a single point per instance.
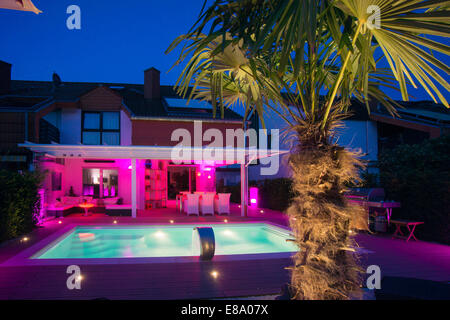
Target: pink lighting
(209, 177)
(254, 197)
(88, 190)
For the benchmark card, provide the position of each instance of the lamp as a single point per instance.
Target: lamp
(254, 197)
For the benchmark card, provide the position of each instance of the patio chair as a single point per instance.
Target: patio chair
(222, 203)
(207, 203)
(190, 204)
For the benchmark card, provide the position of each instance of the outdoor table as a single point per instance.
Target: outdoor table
(408, 224)
(86, 207)
(387, 205)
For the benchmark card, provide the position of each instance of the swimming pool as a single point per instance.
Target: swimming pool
(158, 241)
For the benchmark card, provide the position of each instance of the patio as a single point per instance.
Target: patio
(194, 280)
(135, 178)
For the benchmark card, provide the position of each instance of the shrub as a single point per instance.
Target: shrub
(419, 177)
(275, 194)
(19, 203)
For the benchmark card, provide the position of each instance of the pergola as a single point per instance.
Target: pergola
(224, 156)
(21, 5)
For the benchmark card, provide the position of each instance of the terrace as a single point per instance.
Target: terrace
(140, 175)
(219, 278)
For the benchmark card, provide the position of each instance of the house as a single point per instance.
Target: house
(114, 142)
(372, 133)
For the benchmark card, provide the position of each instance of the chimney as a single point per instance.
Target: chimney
(152, 87)
(5, 77)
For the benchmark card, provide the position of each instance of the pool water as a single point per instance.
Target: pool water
(165, 241)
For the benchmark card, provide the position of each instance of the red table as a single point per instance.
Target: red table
(86, 207)
(408, 224)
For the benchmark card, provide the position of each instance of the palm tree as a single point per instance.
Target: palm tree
(321, 54)
(225, 78)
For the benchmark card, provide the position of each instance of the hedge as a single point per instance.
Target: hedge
(419, 177)
(19, 203)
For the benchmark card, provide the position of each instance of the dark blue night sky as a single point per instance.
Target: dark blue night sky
(116, 43)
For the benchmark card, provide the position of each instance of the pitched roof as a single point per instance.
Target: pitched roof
(425, 111)
(132, 94)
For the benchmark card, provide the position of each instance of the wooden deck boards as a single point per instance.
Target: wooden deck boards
(193, 280)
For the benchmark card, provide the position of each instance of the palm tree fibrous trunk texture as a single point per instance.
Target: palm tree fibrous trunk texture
(326, 266)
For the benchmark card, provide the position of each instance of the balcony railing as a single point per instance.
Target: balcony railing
(48, 133)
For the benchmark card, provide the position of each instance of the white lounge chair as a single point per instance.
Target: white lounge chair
(207, 203)
(222, 203)
(190, 205)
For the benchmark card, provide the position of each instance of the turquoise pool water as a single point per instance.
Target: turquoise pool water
(165, 241)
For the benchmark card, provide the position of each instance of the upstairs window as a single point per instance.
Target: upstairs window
(101, 128)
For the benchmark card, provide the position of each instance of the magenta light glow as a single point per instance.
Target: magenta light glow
(88, 190)
(254, 197)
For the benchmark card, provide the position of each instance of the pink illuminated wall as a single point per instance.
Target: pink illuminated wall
(48, 167)
(206, 178)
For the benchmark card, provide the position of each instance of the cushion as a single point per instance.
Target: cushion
(70, 200)
(109, 201)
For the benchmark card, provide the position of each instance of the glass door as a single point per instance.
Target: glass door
(180, 178)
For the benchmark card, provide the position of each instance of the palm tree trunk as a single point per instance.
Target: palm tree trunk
(325, 267)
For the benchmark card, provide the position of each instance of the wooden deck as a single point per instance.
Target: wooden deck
(194, 280)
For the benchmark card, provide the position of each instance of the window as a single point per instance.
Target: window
(56, 181)
(100, 183)
(101, 128)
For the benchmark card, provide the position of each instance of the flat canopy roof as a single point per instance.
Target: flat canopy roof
(226, 155)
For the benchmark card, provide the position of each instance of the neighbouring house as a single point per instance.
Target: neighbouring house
(112, 142)
(378, 131)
